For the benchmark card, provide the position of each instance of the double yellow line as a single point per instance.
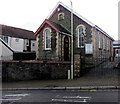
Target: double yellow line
(82, 90)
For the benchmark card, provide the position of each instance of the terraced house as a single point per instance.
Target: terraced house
(16, 40)
(92, 45)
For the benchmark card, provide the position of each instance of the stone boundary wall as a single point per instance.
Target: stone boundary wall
(34, 70)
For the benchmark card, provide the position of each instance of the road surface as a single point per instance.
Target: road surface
(60, 96)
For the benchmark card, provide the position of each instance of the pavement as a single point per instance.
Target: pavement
(104, 76)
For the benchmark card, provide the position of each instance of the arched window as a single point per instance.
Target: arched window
(47, 35)
(61, 16)
(81, 34)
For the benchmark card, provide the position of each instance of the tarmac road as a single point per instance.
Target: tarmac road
(60, 96)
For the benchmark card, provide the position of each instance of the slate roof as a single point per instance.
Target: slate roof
(16, 32)
(69, 9)
(81, 17)
(58, 27)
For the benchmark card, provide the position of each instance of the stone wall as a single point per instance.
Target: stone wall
(26, 70)
(76, 23)
(102, 49)
(77, 70)
(44, 54)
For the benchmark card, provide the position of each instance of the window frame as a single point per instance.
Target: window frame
(17, 40)
(45, 41)
(5, 38)
(99, 40)
(33, 44)
(61, 17)
(27, 42)
(82, 36)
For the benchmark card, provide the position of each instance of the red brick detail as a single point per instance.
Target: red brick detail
(41, 26)
(12, 61)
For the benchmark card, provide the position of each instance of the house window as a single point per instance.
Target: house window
(27, 42)
(81, 34)
(104, 42)
(17, 40)
(5, 38)
(61, 16)
(99, 40)
(107, 44)
(33, 44)
(117, 51)
(47, 35)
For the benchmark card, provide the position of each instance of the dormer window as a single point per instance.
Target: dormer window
(61, 16)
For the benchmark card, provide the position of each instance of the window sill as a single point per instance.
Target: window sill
(47, 49)
(81, 47)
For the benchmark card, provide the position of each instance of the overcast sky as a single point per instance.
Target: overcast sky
(29, 14)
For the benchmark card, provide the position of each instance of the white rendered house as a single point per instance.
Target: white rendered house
(6, 52)
(19, 40)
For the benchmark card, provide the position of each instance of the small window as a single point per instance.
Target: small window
(107, 44)
(47, 35)
(33, 44)
(103, 42)
(99, 40)
(17, 40)
(27, 43)
(61, 16)
(117, 51)
(5, 38)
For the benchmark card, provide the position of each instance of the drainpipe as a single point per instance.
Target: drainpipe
(61, 45)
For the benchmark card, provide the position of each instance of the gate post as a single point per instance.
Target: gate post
(77, 69)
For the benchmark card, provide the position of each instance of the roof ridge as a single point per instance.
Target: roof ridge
(17, 28)
(81, 17)
(105, 33)
(65, 28)
(17, 32)
(68, 8)
(59, 25)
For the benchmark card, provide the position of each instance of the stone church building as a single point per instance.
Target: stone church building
(91, 46)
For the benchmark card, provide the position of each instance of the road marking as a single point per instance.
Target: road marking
(7, 91)
(10, 99)
(61, 100)
(13, 95)
(71, 99)
(82, 90)
(75, 97)
(93, 90)
(82, 101)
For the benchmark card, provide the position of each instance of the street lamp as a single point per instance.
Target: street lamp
(72, 68)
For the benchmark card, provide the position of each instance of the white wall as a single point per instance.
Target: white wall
(17, 46)
(5, 52)
(33, 45)
(0, 49)
(20, 45)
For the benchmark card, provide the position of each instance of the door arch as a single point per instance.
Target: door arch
(66, 48)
